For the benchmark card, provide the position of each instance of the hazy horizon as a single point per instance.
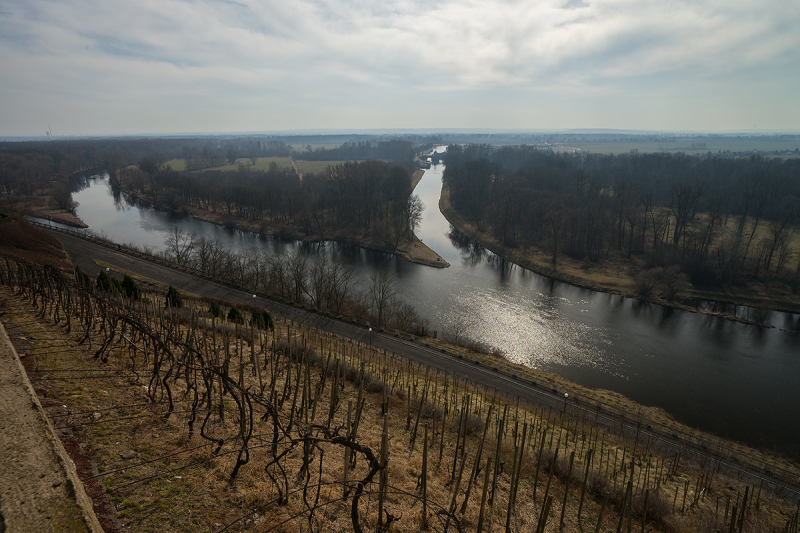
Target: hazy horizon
(407, 131)
(218, 68)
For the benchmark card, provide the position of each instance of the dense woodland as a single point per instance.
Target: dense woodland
(368, 198)
(721, 221)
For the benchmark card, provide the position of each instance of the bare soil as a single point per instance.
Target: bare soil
(26, 241)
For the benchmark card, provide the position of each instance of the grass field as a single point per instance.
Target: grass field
(679, 146)
(307, 167)
(262, 163)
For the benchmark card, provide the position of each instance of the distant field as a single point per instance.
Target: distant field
(315, 167)
(302, 147)
(680, 146)
(177, 164)
(262, 163)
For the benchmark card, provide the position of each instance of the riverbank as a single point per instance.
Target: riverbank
(42, 205)
(611, 278)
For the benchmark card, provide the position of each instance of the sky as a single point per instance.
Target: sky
(107, 67)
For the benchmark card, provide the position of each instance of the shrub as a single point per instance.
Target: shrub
(373, 384)
(131, 288)
(56, 272)
(235, 316)
(428, 410)
(108, 284)
(173, 298)
(658, 509)
(596, 484)
(215, 309)
(103, 281)
(82, 278)
(262, 320)
(473, 425)
(646, 281)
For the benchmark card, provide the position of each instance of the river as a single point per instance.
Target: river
(738, 381)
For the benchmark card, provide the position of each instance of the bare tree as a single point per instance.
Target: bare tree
(318, 286)
(382, 291)
(297, 266)
(179, 246)
(343, 278)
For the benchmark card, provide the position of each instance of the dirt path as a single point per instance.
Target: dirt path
(39, 488)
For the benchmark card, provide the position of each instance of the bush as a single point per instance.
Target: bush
(473, 426)
(646, 281)
(350, 373)
(373, 384)
(108, 284)
(235, 316)
(298, 354)
(56, 272)
(173, 298)
(596, 484)
(215, 309)
(131, 288)
(658, 509)
(82, 278)
(262, 320)
(103, 281)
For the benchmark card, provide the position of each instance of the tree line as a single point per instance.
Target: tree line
(368, 198)
(391, 150)
(322, 281)
(719, 221)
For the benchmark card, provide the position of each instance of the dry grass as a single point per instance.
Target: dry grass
(176, 483)
(21, 239)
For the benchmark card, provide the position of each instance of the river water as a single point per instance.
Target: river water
(737, 381)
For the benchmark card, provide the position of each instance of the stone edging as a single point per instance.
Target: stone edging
(34, 459)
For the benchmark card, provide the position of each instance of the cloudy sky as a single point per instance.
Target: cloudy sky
(167, 66)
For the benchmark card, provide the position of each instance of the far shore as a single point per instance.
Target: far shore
(618, 283)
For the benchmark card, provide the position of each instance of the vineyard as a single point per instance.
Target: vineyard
(183, 414)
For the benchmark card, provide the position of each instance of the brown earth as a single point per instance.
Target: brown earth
(26, 241)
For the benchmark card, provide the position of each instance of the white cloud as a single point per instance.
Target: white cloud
(361, 54)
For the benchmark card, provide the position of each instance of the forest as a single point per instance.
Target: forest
(710, 221)
(367, 198)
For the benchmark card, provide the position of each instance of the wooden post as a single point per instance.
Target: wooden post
(545, 512)
(600, 518)
(345, 489)
(483, 496)
(566, 489)
(384, 469)
(585, 479)
(538, 465)
(425, 480)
